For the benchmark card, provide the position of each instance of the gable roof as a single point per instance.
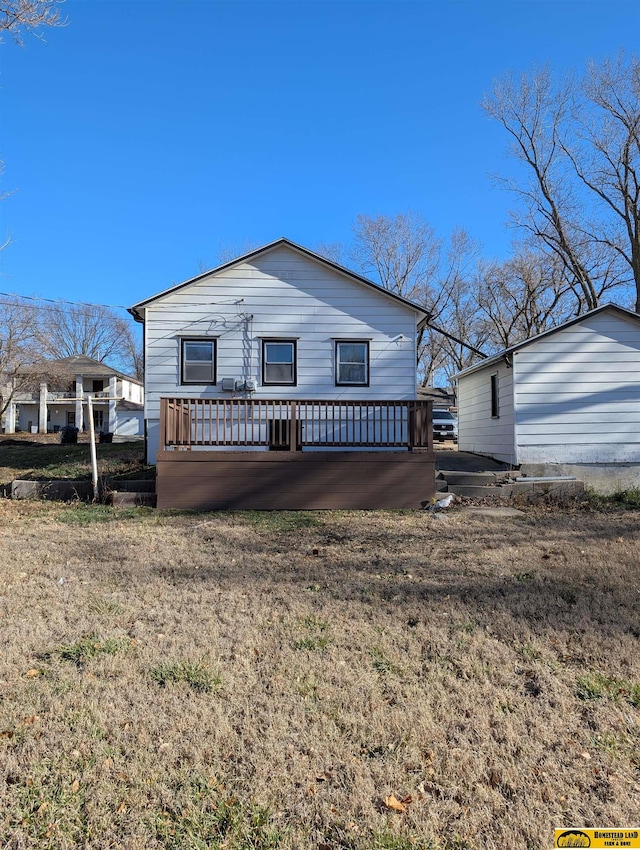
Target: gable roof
(423, 314)
(81, 364)
(496, 358)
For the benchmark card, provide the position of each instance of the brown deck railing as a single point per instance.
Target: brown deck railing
(290, 424)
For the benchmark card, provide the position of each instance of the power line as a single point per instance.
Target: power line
(64, 301)
(231, 302)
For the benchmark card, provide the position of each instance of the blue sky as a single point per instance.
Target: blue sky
(147, 135)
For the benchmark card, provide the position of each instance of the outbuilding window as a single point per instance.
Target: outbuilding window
(279, 362)
(352, 363)
(198, 361)
(495, 398)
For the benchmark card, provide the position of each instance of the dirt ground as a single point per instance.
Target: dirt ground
(325, 680)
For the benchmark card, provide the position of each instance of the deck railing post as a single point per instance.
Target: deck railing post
(163, 423)
(411, 425)
(293, 428)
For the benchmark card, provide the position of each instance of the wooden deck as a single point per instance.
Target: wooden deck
(212, 480)
(223, 454)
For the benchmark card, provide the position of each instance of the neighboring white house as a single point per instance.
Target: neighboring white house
(279, 322)
(570, 395)
(118, 400)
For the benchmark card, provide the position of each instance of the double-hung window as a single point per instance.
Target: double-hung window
(198, 361)
(279, 362)
(352, 363)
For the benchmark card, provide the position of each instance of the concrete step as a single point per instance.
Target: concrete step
(144, 485)
(128, 499)
(473, 479)
(442, 485)
(561, 489)
(470, 491)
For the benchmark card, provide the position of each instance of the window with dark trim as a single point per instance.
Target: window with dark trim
(352, 363)
(198, 361)
(279, 362)
(495, 399)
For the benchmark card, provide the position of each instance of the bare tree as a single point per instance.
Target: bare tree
(405, 255)
(543, 119)
(400, 252)
(21, 366)
(90, 329)
(606, 157)
(522, 297)
(22, 16)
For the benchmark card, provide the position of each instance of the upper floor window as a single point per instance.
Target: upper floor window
(279, 362)
(352, 363)
(198, 361)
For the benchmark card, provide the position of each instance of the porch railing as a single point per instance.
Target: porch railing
(291, 425)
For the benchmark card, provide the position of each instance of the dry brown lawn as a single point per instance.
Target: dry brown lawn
(333, 680)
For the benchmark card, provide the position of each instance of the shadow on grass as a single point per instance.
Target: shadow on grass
(556, 571)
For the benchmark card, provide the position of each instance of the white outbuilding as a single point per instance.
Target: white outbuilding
(570, 395)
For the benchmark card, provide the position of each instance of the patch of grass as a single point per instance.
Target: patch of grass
(382, 664)
(195, 673)
(88, 647)
(528, 651)
(105, 607)
(79, 513)
(626, 499)
(204, 815)
(524, 575)
(45, 458)
(50, 808)
(280, 521)
(312, 643)
(598, 686)
(319, 639)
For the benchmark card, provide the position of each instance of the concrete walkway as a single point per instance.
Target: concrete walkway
(455, 461)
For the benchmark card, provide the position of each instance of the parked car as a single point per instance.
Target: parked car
(445, 426)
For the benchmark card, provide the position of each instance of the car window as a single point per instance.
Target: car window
(442, 414)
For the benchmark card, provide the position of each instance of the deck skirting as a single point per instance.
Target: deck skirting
(214, 480)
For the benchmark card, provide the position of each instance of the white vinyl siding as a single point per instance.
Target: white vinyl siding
(578, 393)
(576, 400)
(281, 294)
(478, 430)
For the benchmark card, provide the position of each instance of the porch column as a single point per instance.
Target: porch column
(79, 396)
(42, 412)
(10, 419)
(112, 404)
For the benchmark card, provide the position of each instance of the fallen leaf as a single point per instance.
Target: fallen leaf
(31, 719)
(392, 802)
(586, 756)
(32, 673)
(43, 807)
(75, 786)
(121, 809)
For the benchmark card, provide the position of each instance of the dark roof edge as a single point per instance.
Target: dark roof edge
(495, 358)
(134, 310)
